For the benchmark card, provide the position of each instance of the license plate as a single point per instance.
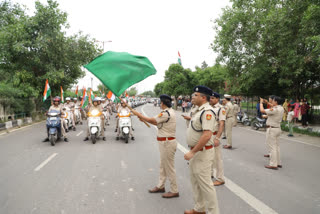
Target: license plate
(53, 118)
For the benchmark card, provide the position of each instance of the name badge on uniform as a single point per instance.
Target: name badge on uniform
(160, 115)
(223, 112)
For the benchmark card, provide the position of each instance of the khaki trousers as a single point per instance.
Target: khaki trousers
(228, 128)
(217, 163)
(204, 193)
(272, 139)
(235, 121)
(167, 150)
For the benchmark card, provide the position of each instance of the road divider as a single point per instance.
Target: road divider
(45, 162)
(252, 201)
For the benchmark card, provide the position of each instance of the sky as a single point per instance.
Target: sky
(155, 29)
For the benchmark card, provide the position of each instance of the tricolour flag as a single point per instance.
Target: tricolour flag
(77, 91)
(118, 71)
(47, 91)
(127, 95)
(179, 58)
(62, 95)
(111, 96)
(84, 101)
(91, 95)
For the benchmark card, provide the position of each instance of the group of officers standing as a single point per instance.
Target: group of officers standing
(205, 127)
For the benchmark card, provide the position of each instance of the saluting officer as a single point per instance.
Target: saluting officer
(229, 121)
(201, 154)
(274, 115)
(166, 137)
(220, 113)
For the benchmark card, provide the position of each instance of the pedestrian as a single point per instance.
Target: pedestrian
(296, 109)
(184, 105)
(229, 121)
(236, 110)
(166, 137)
(285, 107)
(290, 122)
(201, 154)
(274, 115)
(304, 109)
(220, 113)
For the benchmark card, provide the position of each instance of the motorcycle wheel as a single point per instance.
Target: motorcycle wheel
(52, 140)
(246, 123)
(126, 138)
(94, 139)
(255, 125)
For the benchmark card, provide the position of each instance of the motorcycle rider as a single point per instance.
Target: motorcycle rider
(57, 107)
(78, 104)
(70, 105)
(92, 107)
(104, 105)
(123, 106)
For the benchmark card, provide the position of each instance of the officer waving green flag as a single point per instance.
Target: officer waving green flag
(120, 70)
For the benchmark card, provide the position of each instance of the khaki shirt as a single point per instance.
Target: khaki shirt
(56, 108)
(166, 129)
(229, 110)
(121, 108)
(221, 115)
(235, 109)
(70, 105)
(208, 123)
(275, 115)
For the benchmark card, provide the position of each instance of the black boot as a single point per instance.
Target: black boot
(132, 138)
(104, 138)
(66, 139)
(86, 139)
(46, 140)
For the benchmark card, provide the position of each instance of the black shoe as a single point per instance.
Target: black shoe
(66, 139)
(46, 140)
(224, 138)
(67, 130)
(80, 123)
(117, 138)
(104, 129)
(132, 129)
(116, 130)
(86, 139)
(132, 138)
(74, 128)
(104, 138)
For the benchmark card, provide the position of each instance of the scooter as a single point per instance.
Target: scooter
(106, 116)
(258, 123)
(94, 122)
(67, 118)
(124, 124)
(243, 118)
(77, 114)
(54, 126)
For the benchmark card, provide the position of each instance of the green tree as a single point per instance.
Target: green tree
(132, 91)
(270, 47)
(36, 48)
(204, 65)
(158, 88)
(148, 94)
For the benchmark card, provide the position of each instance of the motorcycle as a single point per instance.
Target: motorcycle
(258, 123)
(94, 123)
(106, 116)
(243, 118)
(124, 124)
(77, 115)
(54, 126)
(67, 118)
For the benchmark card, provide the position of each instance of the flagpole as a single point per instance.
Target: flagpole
(133, 112)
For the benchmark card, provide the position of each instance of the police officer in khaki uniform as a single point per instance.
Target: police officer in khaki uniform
(274, 115)
(166, 137)
(201, 154)
(229, 121)
(220, 113)
(236, 110)
(123, 106)
(57, 107)
(70, 105)
(97, 107)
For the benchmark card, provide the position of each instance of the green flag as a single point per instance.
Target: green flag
(120, 70)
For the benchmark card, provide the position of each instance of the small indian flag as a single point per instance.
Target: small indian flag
(62, 95)
(179, 58)
(47, 91)
(127, 95)
(77, 91)
(111, 96)
(84, 101)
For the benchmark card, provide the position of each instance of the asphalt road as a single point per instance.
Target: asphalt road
(114, 177)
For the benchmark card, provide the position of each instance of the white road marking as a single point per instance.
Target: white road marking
(45, 162)
(79, 133)
(298, 141)
(123, 164)
(255, 203)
